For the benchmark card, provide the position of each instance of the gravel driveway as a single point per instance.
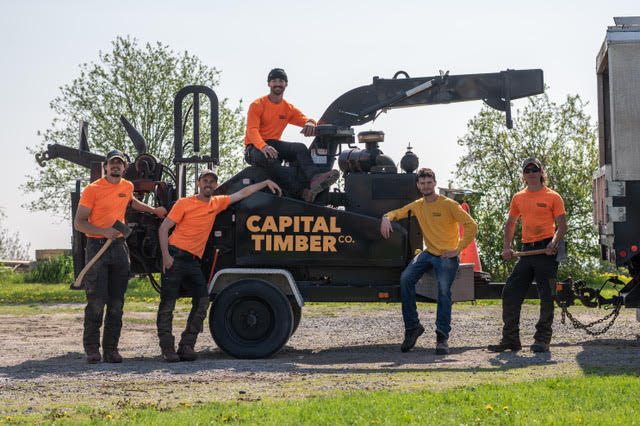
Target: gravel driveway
(342, 347)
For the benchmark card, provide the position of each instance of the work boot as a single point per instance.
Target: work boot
(93, 354)
(442, 344)
(112, 356)
(504, 346)
(319, 183)
(169, 354)
(410, 337)
(540, 347)
(187, 353)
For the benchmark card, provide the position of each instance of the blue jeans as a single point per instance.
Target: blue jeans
(445, 269)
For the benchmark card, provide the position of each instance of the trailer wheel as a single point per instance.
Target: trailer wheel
(251, 319)
(297, 314)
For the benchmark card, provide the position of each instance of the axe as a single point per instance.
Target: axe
(560, 252)
(124, 230)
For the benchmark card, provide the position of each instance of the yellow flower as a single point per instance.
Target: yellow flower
(489, 407)
(505, 408)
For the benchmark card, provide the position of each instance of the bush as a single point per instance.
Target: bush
(55, 270)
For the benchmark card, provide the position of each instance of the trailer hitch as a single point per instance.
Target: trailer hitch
(567, 292)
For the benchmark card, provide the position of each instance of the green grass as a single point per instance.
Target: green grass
(12, 292)
(591, 399)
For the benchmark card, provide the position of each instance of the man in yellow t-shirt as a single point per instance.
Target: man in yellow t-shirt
(440, 219)
(541, 209)
(193, 218)
(266, 120)
(101, 204)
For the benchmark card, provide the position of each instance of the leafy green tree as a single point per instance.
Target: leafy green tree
(563, 137)
(11, 247)
(139, 82)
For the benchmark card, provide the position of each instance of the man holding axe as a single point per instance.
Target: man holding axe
(100, 216)
(193, 218)
(544, 224)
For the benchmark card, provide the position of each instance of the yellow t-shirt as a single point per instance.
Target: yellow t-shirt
(194, 220)
(107, 201)
(439, 221)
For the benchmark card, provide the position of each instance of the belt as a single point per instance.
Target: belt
(536, 245)
(101, 241)
(181, 254)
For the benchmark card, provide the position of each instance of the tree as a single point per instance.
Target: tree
(139, 83)
(11, 248)
(564, 139)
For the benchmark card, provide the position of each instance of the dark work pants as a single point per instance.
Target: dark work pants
(105, 284)
(185, 272)
(544, 270)
(292, 152)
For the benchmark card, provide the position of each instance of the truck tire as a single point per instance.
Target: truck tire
(251, 318)
(297, 314)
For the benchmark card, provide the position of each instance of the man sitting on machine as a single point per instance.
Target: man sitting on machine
(267, 118)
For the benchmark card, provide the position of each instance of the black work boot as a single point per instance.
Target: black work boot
(92, 354)
(186, 353)
(442, 344)
(169, 354)
(410, 337)
(505, 346)
(112, 356)
(540, 347)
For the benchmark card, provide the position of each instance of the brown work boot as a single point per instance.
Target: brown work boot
(187, 353)
(169, 354)
(505, 346)
(112, 356)
(540, 347)
(93, 354)
(319, 183)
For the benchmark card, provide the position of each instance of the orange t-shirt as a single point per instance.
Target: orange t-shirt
(539, 211)
(194, 220)
(266, 120)
(107, 201)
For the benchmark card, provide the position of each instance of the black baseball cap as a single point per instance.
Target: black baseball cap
(116, 154)
(207, 172)
(531, 160)
(277, 73)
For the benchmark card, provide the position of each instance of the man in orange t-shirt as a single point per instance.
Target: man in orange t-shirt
(193, 218)
(541, 210)
(101, 204)
(266, 120)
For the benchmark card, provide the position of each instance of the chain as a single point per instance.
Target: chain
(578, 325)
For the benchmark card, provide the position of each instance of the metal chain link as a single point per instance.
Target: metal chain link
(578, 325)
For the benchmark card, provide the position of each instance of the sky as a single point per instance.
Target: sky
(327, 48)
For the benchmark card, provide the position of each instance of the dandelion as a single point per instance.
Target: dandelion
(505, 408)
(109, 416)
(488, 407)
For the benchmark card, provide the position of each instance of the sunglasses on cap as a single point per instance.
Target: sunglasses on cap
(528, 170)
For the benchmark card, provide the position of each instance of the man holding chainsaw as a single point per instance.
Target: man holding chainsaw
(544, 224)
(193, 218)
(266, 120)
(102, 203)
(439, 218)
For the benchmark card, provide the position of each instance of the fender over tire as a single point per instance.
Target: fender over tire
(251, 318)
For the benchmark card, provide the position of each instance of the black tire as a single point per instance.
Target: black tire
(297, 314)
(251, 319)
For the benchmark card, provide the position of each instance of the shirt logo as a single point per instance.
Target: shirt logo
(282, 117)
(436, 214)
(122, 195)
(541, 204)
